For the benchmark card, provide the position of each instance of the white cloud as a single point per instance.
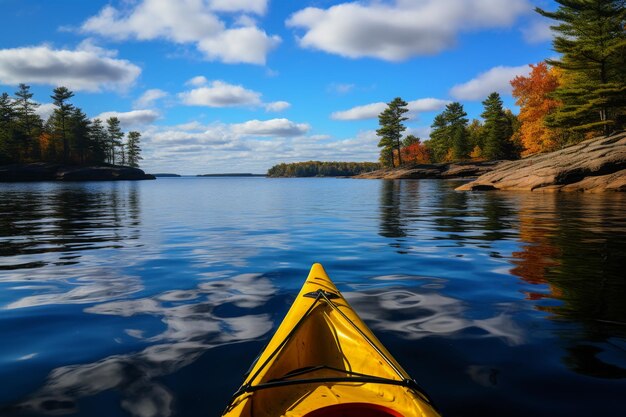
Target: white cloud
(277, 106)
(538, 31)
(251, 6)
(221, 94)
(340, 88)
(497, 79)
(89, 45)
(197, 81)
(273, 127)
(426, 104)
(245, 147)
(87, 70)
(372, 110)
(149, 97)
(242, 45)
(45, 110)
(367, 111)
(218, 93)
(132, 118)
(189, 21)
(402, 29)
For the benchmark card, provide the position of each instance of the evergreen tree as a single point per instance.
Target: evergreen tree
(449, 136)
(80, 133)
(134, 150)
(457, 128)
(391, 128)
(48, 141)
(476, 136)
(28, 124)
(98, 141)
(498, 129)
(439, 142)
(8, 117)
(62, 113)
(514, 144)
(114, 137)
(410, 140)
(592, 42)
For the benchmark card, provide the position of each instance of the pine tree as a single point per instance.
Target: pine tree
(62, 113)
(497, 127)
(457, 128)
(410, 140)
(439, 142)
(390, 132)
(80, 133)
(8, 118)
(98, 141)
(134, 150)
(114, 137)
(476, 136)
(449, 136)
(592, 42)
(28, 123)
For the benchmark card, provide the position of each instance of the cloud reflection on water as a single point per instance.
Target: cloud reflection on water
(87, 289)
(417, 313)
(191, 327)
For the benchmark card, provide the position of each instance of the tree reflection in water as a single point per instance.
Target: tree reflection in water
(576, 246)
(65, 223)
(571, 247)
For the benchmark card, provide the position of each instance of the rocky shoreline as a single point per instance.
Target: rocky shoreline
(437, 171)
(595, 165)
(42, 171)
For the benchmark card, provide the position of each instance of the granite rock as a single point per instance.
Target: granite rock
(594, 165)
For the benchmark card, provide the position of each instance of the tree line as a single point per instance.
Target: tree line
(68, 136)
(321, 169)
(562, 101)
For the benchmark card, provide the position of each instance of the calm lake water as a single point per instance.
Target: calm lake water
(151, 299)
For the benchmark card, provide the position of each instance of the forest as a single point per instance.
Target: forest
(562, 101)
(321, 169)
(68, 136)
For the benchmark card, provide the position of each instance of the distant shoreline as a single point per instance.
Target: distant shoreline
(236, 174)
(166, 175)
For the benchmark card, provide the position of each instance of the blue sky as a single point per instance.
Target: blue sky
(239, 85)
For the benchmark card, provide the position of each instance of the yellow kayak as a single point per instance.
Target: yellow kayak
(324, 361)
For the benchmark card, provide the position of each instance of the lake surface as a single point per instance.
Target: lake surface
(151, 299)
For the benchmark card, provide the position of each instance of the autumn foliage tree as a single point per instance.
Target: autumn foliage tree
(533, 94)
(415, 153)
(591, 40)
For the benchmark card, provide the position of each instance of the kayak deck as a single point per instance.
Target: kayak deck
(324, 361)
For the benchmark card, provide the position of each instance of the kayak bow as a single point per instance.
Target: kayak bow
(324, 361)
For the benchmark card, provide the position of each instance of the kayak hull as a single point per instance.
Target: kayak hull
(324, 361)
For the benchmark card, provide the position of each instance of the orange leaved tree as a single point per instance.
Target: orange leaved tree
(415, 153)
(533, 97)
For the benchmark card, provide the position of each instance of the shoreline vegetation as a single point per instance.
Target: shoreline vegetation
(234, 174)
(321, 169)
(567, 135)
(48, 171)
(67, 146)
